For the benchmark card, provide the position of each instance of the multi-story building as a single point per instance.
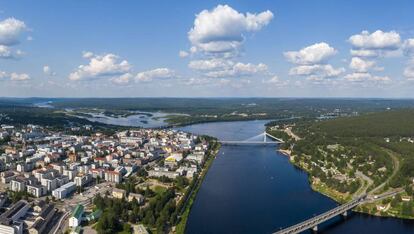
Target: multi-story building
(64, 191)
(18, 184)
(9, 220)
(118, 193)
(36, 190)
(113, 176)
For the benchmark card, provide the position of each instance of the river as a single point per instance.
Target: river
(255, 189)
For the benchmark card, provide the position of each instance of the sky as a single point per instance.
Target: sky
(93, 48)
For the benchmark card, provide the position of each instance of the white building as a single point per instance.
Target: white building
(36, 190)
(76, 217)
(81, 180)
(18, 185)
(63, 191)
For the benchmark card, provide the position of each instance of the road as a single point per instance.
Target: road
(84, 199)
(363, 188)
(396, 168)
(371, 198)
(291, 134)
(59, 228)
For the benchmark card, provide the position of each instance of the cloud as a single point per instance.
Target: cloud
(8, 53)
(14, 76)
(219, 68)
(364, 76)
(3, 75)
(408, 47)
(362, 65)
(108, 65)
(183, 54)
(19, 76)
(87, 54)
(316, 53)
(239, 70)
(376, 40)
(48, 71)
(316, 70)
(223, 29)
(158, 73)
(5, 52)
(123, 79)
(275, 81)
(10, 31)
(374, 44)
(364, 53)
(311, 62)
(210, 64)
(409, 72)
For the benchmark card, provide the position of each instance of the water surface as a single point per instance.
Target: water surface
(254, 189)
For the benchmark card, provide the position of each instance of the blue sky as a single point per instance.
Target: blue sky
(207, 48)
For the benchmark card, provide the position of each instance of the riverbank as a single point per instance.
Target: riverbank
(379, 208)
(212, 154)
(315, 183)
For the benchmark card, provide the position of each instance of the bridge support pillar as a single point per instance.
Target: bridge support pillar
(345, 214)
(315, 228)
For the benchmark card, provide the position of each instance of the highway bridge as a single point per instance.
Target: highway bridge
(260, 139)
(313, 223)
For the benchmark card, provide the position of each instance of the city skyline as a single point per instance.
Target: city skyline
(208, 49)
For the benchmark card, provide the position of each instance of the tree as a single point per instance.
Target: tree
(108, 223)
(407, 209)
(409, 189)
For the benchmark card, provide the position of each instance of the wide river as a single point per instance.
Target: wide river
(254, 189)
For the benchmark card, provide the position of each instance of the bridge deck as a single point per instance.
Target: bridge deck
(312, 222)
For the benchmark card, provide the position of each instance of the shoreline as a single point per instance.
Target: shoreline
(328, 192)
(181, 226)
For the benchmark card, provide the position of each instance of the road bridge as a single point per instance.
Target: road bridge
(313, 223)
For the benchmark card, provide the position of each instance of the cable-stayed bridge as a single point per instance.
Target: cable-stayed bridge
(261, 139)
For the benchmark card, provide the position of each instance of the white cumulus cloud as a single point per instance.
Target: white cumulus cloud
(376, 40)
(158, 73)
(366, 77)
(14, 76)
(183, 54)
(239, 70)
(5, 52)
(363, 65)
(317, 70)
(107, 65)
(10, 31)
(122, 79)
(408, 47)
(210, 64)
(48, 71)
(316, 53)
(19, 76)
(374, 44)
(223, 29)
